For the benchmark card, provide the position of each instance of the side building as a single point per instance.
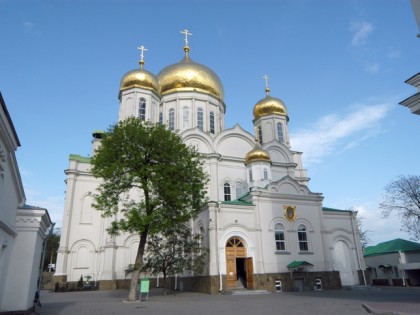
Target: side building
(263, 225)
(23, 228)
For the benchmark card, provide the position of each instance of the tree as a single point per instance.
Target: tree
(364, 238)
(151, 181)
(174, 251)
(402, 195)
(51, 250)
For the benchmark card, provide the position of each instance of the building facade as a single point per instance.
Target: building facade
(23, 228)
(394, 263)
(261, 216)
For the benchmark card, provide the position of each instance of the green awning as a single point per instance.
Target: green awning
(299, 264)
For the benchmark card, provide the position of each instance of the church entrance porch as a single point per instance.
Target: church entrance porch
(239, 268)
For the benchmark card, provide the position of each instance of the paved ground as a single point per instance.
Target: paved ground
(342, 302)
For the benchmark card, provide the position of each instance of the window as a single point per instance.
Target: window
(161, 118)
(226, 190)
(250, 175)
(260, 135)
(280, 132)
(265, 174)
(171, 119)
(279, 237)
(142, 109)
(200, 118)
(185, 118)
(303, 239)
(211, 122)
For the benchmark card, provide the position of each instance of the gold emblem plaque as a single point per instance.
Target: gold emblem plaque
(290, 212)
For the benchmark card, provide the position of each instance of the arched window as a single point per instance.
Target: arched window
(265, 172)
(279, 237)
(303, 238)
(185, 118)
(250, 175)
(280, 132)
(142, 109)
(260, 138)
(161, 118)
(200, 118)
(171, 119)
(211, 122)
(226, 191)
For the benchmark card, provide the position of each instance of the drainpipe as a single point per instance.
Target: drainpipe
(353, 215)
(217, 249)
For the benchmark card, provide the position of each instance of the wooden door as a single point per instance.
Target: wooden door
(249, 273)
(234, 248)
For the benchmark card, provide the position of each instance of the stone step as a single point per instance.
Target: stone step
(246, 292)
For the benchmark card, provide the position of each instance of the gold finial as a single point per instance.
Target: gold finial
(141, 62)
(267, 89)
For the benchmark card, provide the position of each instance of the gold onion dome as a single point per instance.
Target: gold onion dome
(269, 106)
(139, 78)
(188, 75)
(257, 155)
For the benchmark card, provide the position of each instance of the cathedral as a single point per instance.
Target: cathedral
(264, 228)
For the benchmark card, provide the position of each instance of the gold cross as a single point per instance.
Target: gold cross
(186, 36)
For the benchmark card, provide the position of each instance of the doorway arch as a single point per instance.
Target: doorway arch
(239, 267)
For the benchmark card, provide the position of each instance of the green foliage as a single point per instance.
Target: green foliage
(174, 251)
(51, 249)
(402, 195)
(137, 158)
(363, 234)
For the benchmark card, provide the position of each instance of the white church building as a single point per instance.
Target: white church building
(264, 227)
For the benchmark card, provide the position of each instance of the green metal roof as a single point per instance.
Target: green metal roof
(393, 246)
(238, 202)
(79, 158)
(335, 210)
(299, 264)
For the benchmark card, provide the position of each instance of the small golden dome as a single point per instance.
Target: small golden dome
(139, 78)
(190, 76)
(257, 154)
(269, 106)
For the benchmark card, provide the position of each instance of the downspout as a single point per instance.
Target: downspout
(217, 248)
(353, 215)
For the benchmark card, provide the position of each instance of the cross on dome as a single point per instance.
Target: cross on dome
(143, 49)
(186, 36)
(267, 89)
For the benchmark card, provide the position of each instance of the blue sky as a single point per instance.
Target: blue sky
(339, 66)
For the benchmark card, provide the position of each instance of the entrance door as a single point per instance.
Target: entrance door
(235, 264)
(249, 269)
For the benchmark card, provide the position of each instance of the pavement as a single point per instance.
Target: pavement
(384, 300)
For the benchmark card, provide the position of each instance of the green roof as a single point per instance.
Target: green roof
(393, 246)
(299, 264)
(336, 210)
(79, 158)
(238, 202)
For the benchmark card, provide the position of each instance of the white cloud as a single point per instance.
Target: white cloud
(361, 31)
(393, 54)
(373, 68)
(54, 205)
(28, 27)
(332, 134)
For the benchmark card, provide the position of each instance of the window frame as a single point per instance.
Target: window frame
(279, 238)
(142, 109)
(200, 119)
(227, 192)
(280, 135)
(303, 238)
(212, 124)
(171, 119)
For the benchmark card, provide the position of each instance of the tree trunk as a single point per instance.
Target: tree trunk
(164, 283)
(132, 293)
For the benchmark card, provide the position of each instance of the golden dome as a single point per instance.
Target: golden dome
(190, 76)
(139, 78)
(269, 106)
(257, 154)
